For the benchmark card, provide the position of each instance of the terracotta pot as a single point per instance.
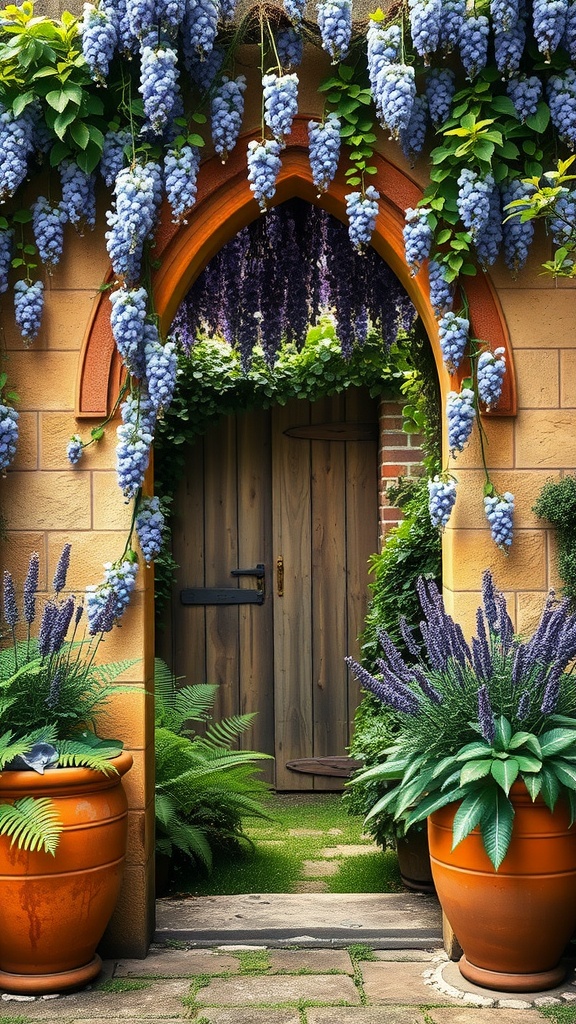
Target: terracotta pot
(414, 861)
(54, 910)
(513, 924)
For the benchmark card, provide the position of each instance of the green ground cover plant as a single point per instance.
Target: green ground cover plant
(301, 825)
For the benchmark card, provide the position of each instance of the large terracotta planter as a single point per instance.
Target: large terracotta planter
(53, 910)
(414, 861)
(513, 924)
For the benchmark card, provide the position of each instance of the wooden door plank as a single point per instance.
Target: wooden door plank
(221, 541)
(189, 645)
(361, 527)
(293, 610)
(329, 618)
(256, 641)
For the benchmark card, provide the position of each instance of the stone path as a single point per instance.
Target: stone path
(257, 985)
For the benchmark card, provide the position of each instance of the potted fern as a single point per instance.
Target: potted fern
(63, 811)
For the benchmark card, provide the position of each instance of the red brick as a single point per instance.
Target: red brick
(394, 438)
(393, 470)
(401, 455)
(390, 408)
(391, 422)
(390, 514)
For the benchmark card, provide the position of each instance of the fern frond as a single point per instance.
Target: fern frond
(226, 732)
(106, 674)
(78, 755)
(31, 823)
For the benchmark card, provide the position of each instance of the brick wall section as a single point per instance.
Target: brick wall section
(399, 455)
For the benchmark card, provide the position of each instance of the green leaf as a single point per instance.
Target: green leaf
(539, 121)
(554, 740)
(528, 764)
(505, 773)
(31, 824)
(565, 772)
(196, 140)
(504, 105)
(443, 236)
(503, 732)
(22, 216)
(533, 784)
(62, 121)
(58, 100)
(21, 102)
(80, 134)
(346, 72)
(433, 802)
(497, 825)
(474, 770)
(469, 815)
(483, 150)
(525, 739)
(550, 788)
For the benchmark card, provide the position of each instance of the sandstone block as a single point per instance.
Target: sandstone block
(546, 439)
(538, 378)
(109, 509)
(16, 554)
(525, 485)
(56, 429)
(47, 501)
(90, 550)
(27, 452)
(540, 319)
(498, 446)
(44, 379)
(468, 552)
(568, 378)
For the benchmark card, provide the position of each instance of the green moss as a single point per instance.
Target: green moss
(121, 985)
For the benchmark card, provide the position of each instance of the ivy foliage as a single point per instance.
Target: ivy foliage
(557, 503)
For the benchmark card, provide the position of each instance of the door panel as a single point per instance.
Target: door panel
(253, 493)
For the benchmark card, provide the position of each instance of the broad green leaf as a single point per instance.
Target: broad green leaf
(503, 732)
(533, 784)
(504, 105)
(525, 739)
(474, 770)
(554, 740)
(58, 100)
(505, 773)
(433, 802)
(528, 764)
(469, 815)
(80, 134)
(550, 788)
(496, 825)
(571, 800)
(381, 804)
(539, 121)
(565, 771)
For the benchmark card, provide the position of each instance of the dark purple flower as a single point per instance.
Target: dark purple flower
(523, 709)
(59, 581)
(10, 606)
(486, 715)
(30, 588)
(393, 656)
(49, 616)
(489, 599)
(504, 625)
(78, 615)
(395, 697)
(408, 637)
(551, 693)
(481, 658)
(107, 616)
(61, 624)
(426, 686)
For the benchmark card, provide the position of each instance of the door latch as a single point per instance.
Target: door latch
(280, 576)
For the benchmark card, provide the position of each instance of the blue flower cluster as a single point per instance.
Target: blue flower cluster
(117, 14)
(562, 101)
(98, 41)
(263, 169)
(383, 47)
(137, 195)
(161, 369)
(129, 309)
(107, 602)
(509, 48)
(280, 103)
(113, 155)
(227, 110)
(199, 27)
(180, 175)
(141, 16)
(78, 195)
(489, 239)
(517, 234)
(453, 332)
(16, 145)
(549, 24)
(362, 211)
(335, 24)
(412, 137)
(324, 150)
(289, 47)
(425, 23)
(461, 414)
(48, 228)
(203, 68)
(28, 308)
(8, 435)
(491, 370)
(150, 528)
(418, 237)
(499, 509)
(441, 292)
(439, 92)
(169, 14)
(473, 199)
(135, 435)
(563, 223)
(6, 243)
(394, 97)
(441, 498)
(158, 84)
(525, 93)
(295, 9)
(473, 42)
(74, 449)
(504, 14)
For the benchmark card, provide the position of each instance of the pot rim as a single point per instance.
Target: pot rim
(57, 780)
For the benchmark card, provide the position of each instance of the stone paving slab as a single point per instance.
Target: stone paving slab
(319, 868)
(176, 963)
(317, 961)
(160, 998)
(399, 955)
(367, 1015)
(350, 850)
(387, 982)
(248, 1015)
(482, 1015)
(277, 988)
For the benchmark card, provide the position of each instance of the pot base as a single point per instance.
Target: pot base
(48, 984)
(504, 982)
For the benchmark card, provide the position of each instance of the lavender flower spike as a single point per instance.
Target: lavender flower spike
(408, 637)
(10, 606)
(552, 692)
(49, 617)
(30, 588)
(489, 599)
(486, 715)
(523, 709)
(59, 581)
(61, 624)
(392, 697)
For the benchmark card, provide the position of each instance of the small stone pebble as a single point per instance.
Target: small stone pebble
(477, 1000)
(546, 1001)
(13, 997)
(514, 1004)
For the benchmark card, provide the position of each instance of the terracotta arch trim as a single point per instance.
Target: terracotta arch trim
(224, 205)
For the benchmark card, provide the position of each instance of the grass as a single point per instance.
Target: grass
(301, 826)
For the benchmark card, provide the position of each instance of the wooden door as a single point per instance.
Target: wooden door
(293, 488)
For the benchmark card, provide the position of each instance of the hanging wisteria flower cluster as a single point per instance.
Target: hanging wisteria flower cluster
(249, 297)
